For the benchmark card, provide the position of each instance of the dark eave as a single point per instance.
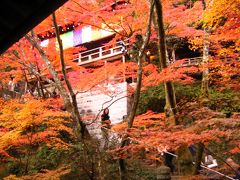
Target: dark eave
(18, 17)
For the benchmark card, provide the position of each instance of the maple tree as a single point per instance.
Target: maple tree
(39, 55)
(151, 130)
(222, 40)
(30, 62)
(25, 129)
(169, 89)
(88, 15)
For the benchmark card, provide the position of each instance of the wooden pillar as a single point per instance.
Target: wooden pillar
(105, 72)
(124, 70)
(79, 58)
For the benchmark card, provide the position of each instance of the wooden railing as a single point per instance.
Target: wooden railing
(109, 51)
(99, 53)
(192, 61)
(7, 95)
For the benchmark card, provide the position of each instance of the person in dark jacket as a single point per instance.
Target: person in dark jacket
(106, 118)
(168, 156)
(168, 161)
(237, 175)
(193, 150)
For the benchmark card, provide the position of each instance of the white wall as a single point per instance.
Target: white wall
(94, 101)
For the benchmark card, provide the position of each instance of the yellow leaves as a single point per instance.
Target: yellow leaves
(238, 42)
(12, 177)
(196, 43)
(57, 143)
(31, 108)
(19, 116)
(120, 127)
(226, 51)
(31, 123)
(58, 125)
(44, 175)
(221, 18)
(8, 138)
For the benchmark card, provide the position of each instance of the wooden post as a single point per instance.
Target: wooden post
(100, 52)
(124, 71)
(105, 71)
(79, 58)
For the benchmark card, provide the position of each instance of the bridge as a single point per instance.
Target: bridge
(191, 61)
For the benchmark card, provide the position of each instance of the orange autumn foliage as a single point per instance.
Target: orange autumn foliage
(43, 175)
(151, 130)
(30, 123)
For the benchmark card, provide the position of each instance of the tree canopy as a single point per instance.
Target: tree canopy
(165, 43)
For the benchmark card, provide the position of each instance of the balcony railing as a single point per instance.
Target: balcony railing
(99, 53)
(192, 61)
(109, 51)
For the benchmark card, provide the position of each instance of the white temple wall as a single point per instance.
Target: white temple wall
(94, 101)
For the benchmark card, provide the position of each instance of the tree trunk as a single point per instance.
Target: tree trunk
(121, 162)
(140, 57)
(40, 79)
(122, 169)
(136, 94)
(141, 54)
(75, 112)
(38, 87)
(169, 88)
(27, 83)
(62, 90)
(173, 56)
(205, 81)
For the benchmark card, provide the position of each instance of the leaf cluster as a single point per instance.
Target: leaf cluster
(28, 125)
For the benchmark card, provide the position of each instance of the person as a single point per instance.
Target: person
(235, 167)
(11, 87)
(124, 47)
(55, 95)
(237, 175)
(11, 84)
(209, 161)
(168, 155)
(168, 160)
(106, 118)
(193, 150)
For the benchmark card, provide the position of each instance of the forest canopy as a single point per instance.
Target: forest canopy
(175, 64)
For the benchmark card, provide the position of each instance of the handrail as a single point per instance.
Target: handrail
(104, 52)
(101, 47)
(98, 53)
(101, 51)
(192, 61)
